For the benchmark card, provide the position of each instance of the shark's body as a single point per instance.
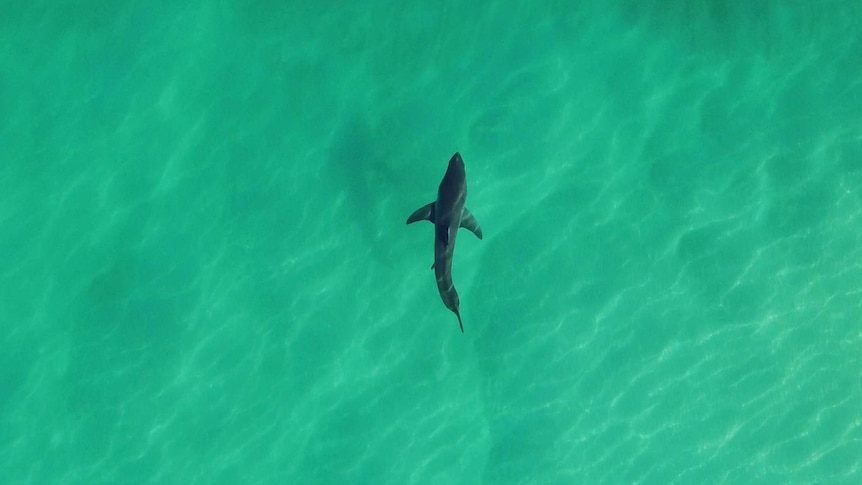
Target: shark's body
(448, 214)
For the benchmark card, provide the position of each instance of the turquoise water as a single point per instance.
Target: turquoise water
(207, 278)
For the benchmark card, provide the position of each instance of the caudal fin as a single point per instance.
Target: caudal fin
(458, 314)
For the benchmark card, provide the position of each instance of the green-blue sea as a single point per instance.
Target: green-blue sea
(206, 276)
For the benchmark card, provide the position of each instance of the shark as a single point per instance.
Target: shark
(448, 214)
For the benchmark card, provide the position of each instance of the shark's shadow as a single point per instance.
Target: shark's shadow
(358, 166)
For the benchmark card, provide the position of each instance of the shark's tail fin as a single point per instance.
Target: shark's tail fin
(458, 314)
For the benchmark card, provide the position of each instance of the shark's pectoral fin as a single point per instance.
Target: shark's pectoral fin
(469, 222)
(426, 212)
